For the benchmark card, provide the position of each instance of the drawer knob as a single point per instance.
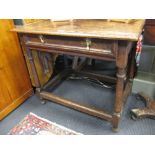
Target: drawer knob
(88, 43)
(41, 38)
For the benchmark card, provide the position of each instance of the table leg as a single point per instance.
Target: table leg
(132, 68)
(119, 97)
(130, 73)
(121, 63)
(34, 73)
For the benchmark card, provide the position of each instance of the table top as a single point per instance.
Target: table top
(91, 28)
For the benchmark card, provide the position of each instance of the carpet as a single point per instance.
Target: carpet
(35, 125)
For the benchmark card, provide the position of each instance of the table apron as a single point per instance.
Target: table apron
(70, 51)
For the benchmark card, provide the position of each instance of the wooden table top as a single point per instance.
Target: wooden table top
(90, 28)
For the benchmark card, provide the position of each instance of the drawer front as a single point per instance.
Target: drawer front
(88, 45)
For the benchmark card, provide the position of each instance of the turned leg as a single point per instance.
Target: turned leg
(118, 98)
(123, 50)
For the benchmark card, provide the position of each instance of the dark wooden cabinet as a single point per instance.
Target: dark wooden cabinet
(15, 85)
(149, 32)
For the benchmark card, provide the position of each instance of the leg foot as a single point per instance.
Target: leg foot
(115, 122)
(115, 129)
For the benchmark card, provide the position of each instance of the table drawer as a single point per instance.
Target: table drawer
(76, 44)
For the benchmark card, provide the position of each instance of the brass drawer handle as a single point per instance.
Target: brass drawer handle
(88, 43)
(41, 38)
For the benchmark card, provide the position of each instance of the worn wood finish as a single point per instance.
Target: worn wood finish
(72, 43)
(127, 91)
(15, 85)
(89, 110)
(82, 52)
(87, 28)
(121, 63)
(73, 46)
(97, 39)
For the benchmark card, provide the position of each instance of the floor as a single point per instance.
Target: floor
(89, 94)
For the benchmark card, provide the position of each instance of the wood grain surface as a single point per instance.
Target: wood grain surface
(86, 28)
(15, 85)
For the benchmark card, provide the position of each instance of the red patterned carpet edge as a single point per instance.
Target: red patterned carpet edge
(35, 125)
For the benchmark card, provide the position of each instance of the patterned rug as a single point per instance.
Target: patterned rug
(35, 125)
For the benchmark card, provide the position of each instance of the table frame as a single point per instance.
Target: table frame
(125, 62)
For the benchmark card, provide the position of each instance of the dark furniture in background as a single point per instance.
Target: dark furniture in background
(149, 33)
(145, 79)
(144, 82)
